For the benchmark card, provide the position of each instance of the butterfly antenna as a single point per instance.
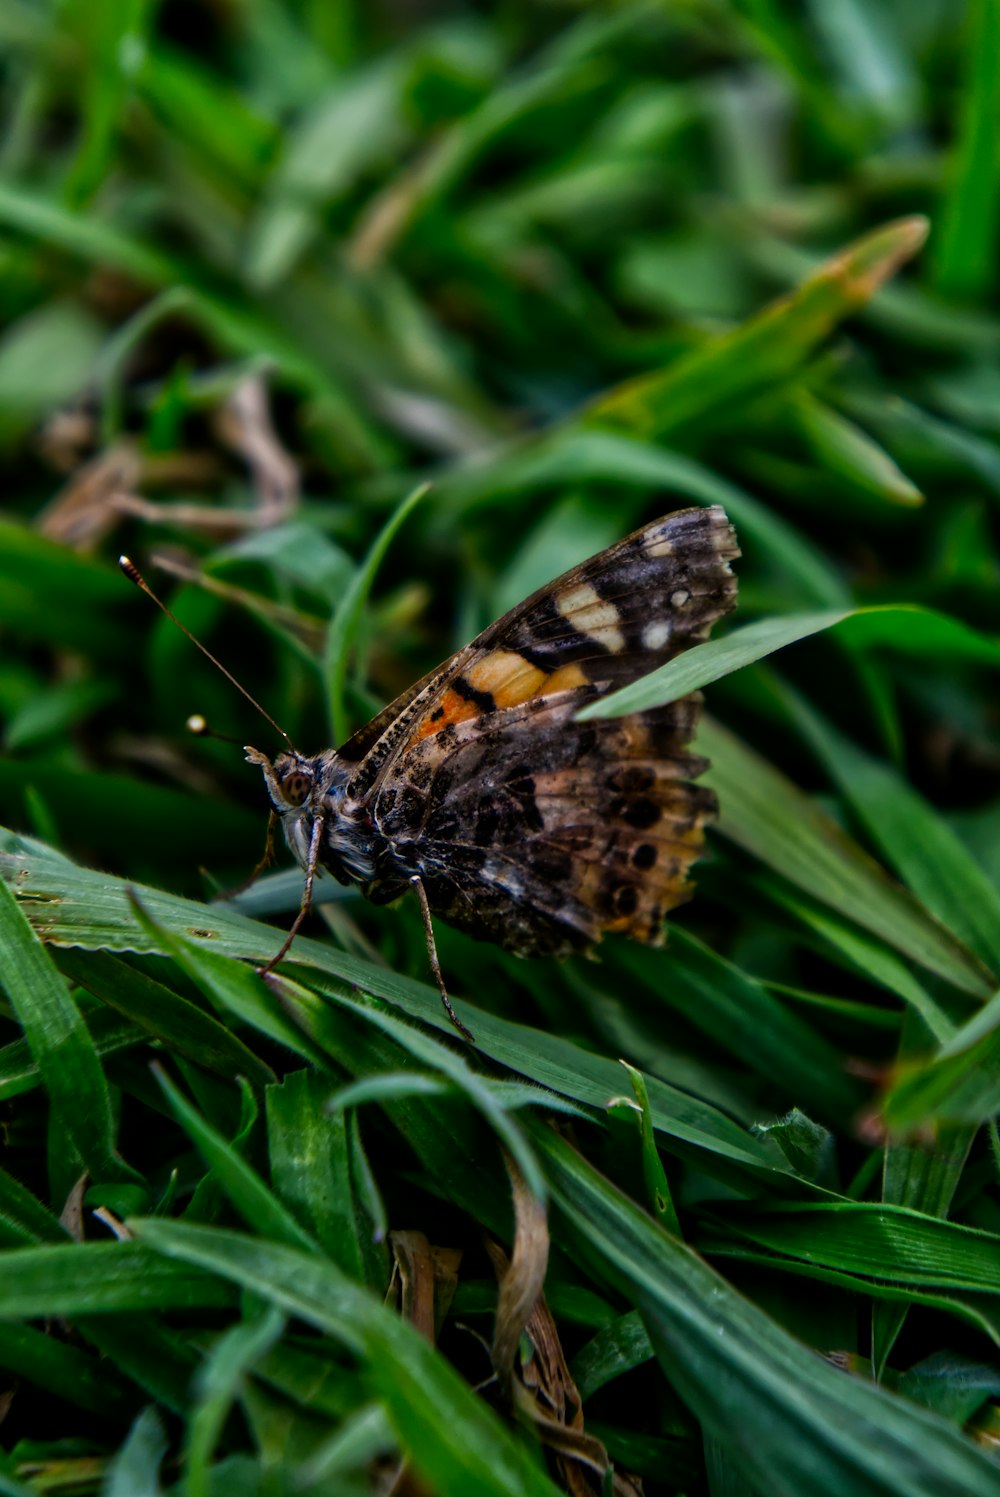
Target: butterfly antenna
(199, 728)
(135, 576)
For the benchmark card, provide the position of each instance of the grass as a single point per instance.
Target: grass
(267, 271)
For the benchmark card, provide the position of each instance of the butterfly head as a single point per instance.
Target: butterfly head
(289, 779)
(303, 790)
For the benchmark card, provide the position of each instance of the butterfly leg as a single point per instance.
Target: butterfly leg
(265, 862)
(315, 843)
(425, 910)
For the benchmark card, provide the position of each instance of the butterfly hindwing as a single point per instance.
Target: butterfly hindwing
(541, 833)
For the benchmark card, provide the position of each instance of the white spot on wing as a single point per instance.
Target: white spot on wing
(655, 635)
(659, 544)
(592, 615)
(679, 598)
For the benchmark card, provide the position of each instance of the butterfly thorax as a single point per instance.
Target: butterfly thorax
(303, 789)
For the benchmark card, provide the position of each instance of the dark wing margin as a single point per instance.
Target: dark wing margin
(632, 607)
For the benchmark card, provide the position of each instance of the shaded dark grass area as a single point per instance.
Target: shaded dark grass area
(265, 271)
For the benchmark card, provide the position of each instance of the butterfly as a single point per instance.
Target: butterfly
(479, 790)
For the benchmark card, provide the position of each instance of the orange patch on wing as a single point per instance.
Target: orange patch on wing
(507, 676)
(565, 678)
(450, 709)
(512, 680)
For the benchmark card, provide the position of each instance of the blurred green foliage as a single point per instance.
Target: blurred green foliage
(266, 267)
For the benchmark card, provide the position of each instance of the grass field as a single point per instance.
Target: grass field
(353, 324)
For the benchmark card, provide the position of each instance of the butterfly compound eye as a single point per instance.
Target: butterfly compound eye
(295, 787)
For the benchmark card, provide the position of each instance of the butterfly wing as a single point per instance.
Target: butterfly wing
(610, 620)
(541, 833)
(530, 829)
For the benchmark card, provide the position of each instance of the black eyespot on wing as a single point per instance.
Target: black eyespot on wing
(644, 855)
(626, 899)
(641, 813)
(629, 779)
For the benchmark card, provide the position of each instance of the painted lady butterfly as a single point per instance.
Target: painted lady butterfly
(479, 790)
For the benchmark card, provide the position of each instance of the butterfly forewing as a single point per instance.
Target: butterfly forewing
(608, 621)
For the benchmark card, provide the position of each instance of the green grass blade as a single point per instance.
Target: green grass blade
(767, 349)
(658, 1194)
(924, 1179)
(795, 1422)
(246, 1190)
(356, 125)
(82, 908)
(389, 1086)
(109, 1033)
(309, 1149)
(874, 1240)
(64, 1371)
(11, 1487)
(451, 1436)
(342, 636)
(23, 1218)
(112, 365)
(861, 953)
(362, 1438)
(233, 987)
(85, 606)
(964, 260)
(723, 1001)
(960, 1083)
(616, 1349)
(60, 1043)
(842, 448)
(910, 835)
(134, 1472)
(155, 1356)
(442, 1059)
(560, 1066)
(920, 633)
(709, 662)
(219, 1381)
(575, 455)
(981, 1311)
(91, 239)
(766, 814)
(165, 1015)
(100, 1278)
